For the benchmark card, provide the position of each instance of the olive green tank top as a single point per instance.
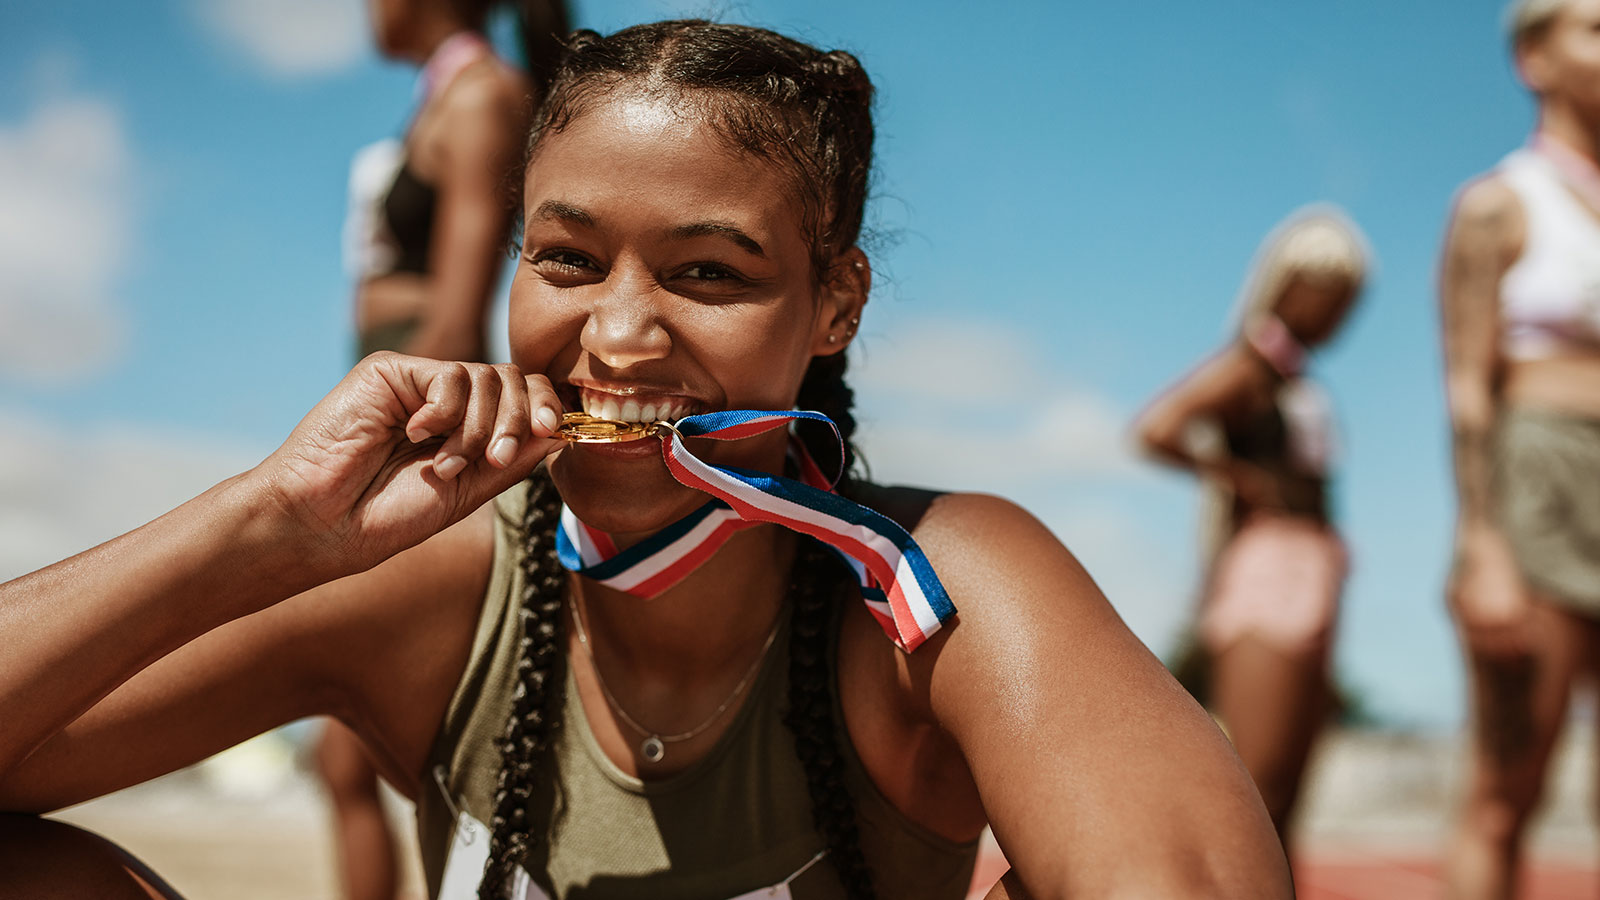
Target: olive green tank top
(736, 823)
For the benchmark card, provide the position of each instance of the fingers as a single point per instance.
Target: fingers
(485, 413)
(528, 407)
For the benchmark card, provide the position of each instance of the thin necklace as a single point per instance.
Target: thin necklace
(653, 748)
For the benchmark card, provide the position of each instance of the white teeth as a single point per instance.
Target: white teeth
(629, 409)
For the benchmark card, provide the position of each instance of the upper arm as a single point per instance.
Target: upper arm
(1096, 770)
(1214, 391)
(381, 650)
(1485, 237)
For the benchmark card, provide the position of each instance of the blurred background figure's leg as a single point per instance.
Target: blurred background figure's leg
(1273, 703)
(368, 867)
(1518, 707)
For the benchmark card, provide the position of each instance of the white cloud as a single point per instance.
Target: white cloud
(969, 405)
(290, 38)
(951, 402)
(65, 228)
(63, 491)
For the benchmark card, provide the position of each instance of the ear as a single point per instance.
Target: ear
(841, 299)
(1534, 67)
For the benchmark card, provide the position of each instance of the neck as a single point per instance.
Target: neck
(1560, 122)
(703, 624)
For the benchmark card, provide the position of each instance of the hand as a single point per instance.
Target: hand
(401, 449)
(1488, 596)
(1253, 485)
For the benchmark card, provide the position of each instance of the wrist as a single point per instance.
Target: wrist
(1475, 534)
(276, 547)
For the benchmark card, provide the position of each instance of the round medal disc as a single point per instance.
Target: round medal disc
(586, 429)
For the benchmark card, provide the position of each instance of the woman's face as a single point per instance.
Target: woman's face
(1314, 308)
(1564, 62)
(662, 274)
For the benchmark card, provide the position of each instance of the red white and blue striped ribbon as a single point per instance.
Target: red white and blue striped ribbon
(897, 583)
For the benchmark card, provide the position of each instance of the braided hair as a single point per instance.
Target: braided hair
(809, 112)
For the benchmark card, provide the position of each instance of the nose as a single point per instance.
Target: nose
(623, 330)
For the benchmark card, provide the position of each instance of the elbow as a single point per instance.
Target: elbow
(1157, 438)
(1472, 404)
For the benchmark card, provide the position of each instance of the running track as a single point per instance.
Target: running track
(1350, 875)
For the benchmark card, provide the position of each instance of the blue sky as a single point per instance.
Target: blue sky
(1067, 198)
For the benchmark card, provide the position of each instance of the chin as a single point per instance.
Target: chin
(621, 496)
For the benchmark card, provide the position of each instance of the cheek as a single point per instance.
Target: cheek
(758, 361)
(539, 326)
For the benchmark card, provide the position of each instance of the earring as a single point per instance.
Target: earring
(833, 338)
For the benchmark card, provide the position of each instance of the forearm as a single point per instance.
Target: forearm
(1471, 443)
(75, 631)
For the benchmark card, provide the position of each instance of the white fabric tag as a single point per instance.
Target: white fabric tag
(469, 851)
(463, 866)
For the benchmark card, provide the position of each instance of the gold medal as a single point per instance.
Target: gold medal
(583, 428)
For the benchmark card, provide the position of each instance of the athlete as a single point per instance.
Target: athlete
(1520, 298)
(1260, 433)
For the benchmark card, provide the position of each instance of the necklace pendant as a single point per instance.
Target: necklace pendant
(652, 749)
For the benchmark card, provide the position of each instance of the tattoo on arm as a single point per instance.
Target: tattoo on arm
(1476, 258)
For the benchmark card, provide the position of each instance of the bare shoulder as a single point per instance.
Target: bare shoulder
(1488, 214)
(490, 88)
(1036, 709)
(1014, 584)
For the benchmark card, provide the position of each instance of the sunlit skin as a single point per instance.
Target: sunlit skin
(1035, 711)
(1507, 629)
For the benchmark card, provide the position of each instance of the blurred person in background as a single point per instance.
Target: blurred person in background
(1260, 434)
(425, 239)
(581, 703)
(1520, 305)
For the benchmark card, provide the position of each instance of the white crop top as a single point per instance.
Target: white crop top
(1550, 298)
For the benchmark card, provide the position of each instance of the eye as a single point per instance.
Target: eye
(564, 261)
(710, 272)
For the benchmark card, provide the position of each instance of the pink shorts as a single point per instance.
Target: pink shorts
(1277, 579)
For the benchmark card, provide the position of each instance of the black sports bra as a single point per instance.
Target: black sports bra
(408, 209)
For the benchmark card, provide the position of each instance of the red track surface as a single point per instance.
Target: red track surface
(1376, 877)
(1373, 876)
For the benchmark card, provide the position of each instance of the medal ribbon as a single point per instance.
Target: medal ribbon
(897, 582)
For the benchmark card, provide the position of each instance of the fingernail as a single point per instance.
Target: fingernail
(450, 468)
(548, 418)
(417, 434)
(504, 450)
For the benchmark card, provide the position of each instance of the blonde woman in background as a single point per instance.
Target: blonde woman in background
(1259, 433)
(1520, 297)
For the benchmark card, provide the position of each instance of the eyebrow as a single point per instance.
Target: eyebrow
(555, 209)
(720, 229)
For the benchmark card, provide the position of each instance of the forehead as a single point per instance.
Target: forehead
(657, 157)
(1577, 11)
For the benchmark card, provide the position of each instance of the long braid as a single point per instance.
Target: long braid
(540, 693)
(816, 585)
